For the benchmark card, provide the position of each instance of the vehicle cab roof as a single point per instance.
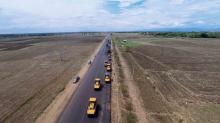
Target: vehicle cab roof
(97, 79)
(92, 99)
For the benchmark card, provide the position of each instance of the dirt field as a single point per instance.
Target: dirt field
(178, 78)
(33, 70)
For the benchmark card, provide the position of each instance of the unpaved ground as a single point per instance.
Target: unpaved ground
(132, 90)
(115, 93)
(178, 78)
(125, 106)
(34, 70)
(53, 111)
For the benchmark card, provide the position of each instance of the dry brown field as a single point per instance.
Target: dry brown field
(178, 78)
(33, 70)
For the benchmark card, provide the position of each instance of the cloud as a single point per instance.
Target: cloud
(177, 2)
(105, 15)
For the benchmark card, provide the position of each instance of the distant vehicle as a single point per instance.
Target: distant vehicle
(76, 79)
(97, 85)
(105, 64)
(90, 62)
(92, 107)
(109, 51)
(108, 68)
(107, 77)
(108, 64)
(109, 57)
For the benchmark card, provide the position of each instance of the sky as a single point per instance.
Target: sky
(33, 16)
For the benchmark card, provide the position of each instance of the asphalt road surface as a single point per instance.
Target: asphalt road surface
(75, 111)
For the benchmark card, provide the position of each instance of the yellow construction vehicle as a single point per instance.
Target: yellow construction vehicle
(105, 64)
(108, 64)
(107, 77)
(97, 85)
(108, 68)
(92, 107)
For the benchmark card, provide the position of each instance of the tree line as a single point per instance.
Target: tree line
(183, 34)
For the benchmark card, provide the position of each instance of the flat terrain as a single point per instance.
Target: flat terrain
(33, 70)
(76, 109)
(178, 79)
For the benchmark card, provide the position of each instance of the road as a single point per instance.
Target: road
(75, 111)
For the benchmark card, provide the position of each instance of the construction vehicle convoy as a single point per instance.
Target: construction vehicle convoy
(97, 85)
(92, 107)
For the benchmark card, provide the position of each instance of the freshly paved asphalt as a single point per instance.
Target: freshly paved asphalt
(75, 111)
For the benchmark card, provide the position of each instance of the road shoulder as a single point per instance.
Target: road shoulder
(133, 92)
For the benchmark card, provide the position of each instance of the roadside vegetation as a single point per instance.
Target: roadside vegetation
(127, 111)
(126, 45)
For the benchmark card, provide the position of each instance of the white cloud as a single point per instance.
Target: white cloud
(75, 15)
(177, 2)
(126, 3)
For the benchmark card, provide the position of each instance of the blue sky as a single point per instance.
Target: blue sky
(21, 16)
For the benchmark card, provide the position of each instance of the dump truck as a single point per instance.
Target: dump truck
(97, 85)
(107, 77)
(92, 107)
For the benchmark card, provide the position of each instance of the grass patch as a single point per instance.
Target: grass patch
(126, 45)
(209, 108)
(128, 115)
(124, 90)
(131, 118)
(129, 107)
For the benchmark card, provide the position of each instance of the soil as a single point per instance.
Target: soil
(33, 70)
(178, 79)
(115, 93)
(53, 111)
(133, 91)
